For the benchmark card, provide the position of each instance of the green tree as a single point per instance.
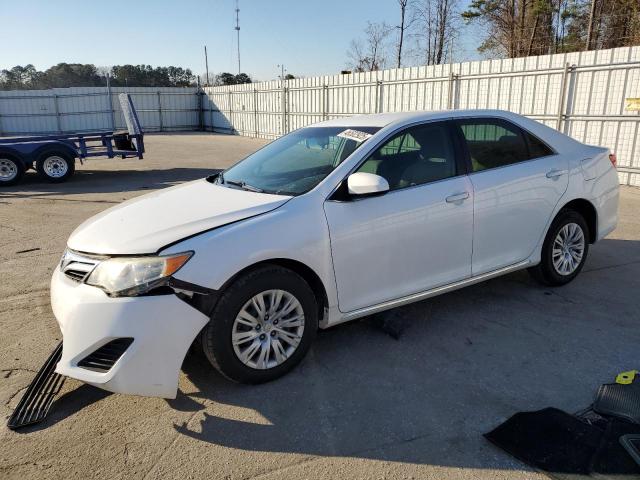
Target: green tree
(19, 77)
(71, 75)
(227, 78)
(516, 28)
(243, 78)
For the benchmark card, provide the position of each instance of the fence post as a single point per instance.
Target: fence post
(379, 98)
(233, 127)
(160, 110)
(562, 101)
(451, 101)
(110, 99)
(325, 99)
(199, 94)
(210, 102)
(255, 111)
(284, 109)
(57, 110)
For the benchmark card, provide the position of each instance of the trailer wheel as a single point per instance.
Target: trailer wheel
(11, 170)
(55, 166)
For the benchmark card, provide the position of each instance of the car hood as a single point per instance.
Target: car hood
(147, 223)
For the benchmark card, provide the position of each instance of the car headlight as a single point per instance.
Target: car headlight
(131, 276)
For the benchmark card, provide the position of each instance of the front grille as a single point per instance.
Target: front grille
(106, 356)
(76, 275)
(78, 266)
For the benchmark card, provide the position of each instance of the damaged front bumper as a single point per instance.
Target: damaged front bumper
(97, 332)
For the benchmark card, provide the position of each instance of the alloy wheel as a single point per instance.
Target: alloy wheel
(268, 329)
(568, 249)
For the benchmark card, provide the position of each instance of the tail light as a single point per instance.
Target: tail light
(613, 159)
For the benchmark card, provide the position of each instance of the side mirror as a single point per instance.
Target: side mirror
(362, 184)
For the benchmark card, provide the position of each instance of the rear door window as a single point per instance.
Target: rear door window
(493, 143)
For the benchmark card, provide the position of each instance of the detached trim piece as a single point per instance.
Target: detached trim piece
(37, 400)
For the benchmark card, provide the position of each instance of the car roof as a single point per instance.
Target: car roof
(400, 118)
(557, 140)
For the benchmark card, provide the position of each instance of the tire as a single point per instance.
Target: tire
(55, 166)
(217, 335)
(11, 170)
(549, 273)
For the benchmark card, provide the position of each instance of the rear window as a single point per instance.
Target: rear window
(537, 148)
(494, 143)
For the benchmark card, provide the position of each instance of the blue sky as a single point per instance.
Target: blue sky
(309, 37)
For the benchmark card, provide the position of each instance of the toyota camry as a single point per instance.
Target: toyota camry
(327, 224)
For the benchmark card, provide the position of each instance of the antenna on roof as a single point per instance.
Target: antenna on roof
(238, 32)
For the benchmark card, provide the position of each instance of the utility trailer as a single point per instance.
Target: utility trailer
(53, 156)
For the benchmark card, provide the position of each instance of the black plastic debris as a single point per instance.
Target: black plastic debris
(37, 400)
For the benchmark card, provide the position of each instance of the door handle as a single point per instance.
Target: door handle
(555, 173)
(457, 197)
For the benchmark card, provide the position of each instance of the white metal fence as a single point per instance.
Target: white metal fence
(582, 94)
(83, 109)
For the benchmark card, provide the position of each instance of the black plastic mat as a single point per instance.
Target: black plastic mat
(631, 443)
(564, 446)
(612, 459)
(549, 440)
(622, 401)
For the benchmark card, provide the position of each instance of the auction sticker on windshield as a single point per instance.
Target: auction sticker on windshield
(355, 135)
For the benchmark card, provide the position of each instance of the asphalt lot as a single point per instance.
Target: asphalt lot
(361, 405)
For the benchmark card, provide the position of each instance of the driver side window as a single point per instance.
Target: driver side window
(415, 156)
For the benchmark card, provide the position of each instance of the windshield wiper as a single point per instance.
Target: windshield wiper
(244, 186)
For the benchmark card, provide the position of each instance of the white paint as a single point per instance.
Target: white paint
(147, 223)
(370, 253)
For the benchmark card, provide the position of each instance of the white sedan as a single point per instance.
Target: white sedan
(327, 224)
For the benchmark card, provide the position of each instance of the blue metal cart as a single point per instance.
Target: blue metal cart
(53, 156)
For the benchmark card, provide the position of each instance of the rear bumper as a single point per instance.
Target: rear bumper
(162, 327)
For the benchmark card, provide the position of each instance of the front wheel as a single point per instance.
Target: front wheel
(262, 326)
(564, 251)
(55, 167)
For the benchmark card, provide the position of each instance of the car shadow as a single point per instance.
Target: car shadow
(104, 181)
(463, 363)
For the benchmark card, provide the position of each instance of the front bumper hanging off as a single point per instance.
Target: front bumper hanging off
(37, 400)
(146, 338)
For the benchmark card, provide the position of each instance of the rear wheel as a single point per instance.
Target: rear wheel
(11, 170)
(262, 326)
(564, 251)
(55, 167)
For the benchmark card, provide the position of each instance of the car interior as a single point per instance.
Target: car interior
(422, 155)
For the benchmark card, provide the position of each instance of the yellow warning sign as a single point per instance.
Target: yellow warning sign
(632, 104)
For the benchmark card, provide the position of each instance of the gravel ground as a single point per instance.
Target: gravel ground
(361, 405)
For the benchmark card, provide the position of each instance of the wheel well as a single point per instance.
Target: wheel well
(310, 276)
(588, 212)
(54, 148)
(13, 155)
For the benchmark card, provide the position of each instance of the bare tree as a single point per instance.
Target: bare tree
(402, 27)
(408, 16)
(368, 55)
(437, 28)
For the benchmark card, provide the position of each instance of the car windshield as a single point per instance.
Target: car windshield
(297, 162)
